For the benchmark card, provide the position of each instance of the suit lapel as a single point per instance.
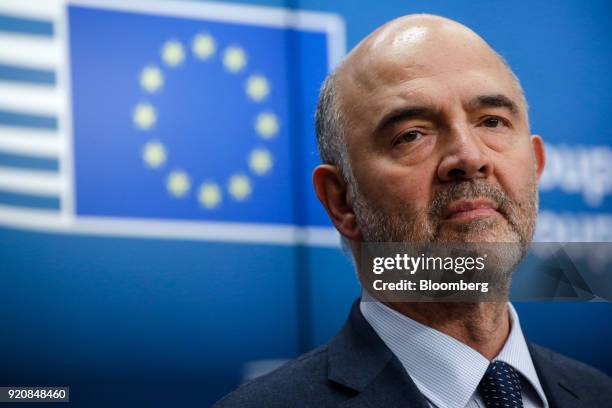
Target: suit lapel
(560, 391)
(359, 360)
(391, 388)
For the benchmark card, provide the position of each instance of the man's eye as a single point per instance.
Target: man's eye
(410, 136)
(493, 122)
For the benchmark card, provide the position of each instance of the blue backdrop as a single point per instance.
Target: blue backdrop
(135, 290)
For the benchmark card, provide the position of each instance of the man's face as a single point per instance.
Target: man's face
(439, 142)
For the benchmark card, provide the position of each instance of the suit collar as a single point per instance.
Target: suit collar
(559, 390)
(359, 360)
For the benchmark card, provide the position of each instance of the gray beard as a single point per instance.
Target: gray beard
(507, 248)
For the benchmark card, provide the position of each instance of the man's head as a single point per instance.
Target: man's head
(424, 136)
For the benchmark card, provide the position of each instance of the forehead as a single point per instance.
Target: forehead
(441, 90)
(420, 67)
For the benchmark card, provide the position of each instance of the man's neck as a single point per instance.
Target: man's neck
(482, 326)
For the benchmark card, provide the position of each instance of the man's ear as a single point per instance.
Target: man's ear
(335, 197)
(537, 144)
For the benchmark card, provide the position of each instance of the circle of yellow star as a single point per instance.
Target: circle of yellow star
(151, 79)
(257, 87)
(178, 183)
(173, 53)
(260, 161)
(234, 59)
(266, 125)
(144, 116)
(209, 195)
(154, 154)
(203, 46)
(240, 187)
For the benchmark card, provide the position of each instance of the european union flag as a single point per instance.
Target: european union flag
(194, 118)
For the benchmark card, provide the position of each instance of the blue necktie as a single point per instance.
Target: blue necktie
(501, 387)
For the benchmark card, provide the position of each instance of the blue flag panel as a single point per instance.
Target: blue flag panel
(192, 119)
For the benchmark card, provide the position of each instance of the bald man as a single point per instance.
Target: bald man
(424, 137)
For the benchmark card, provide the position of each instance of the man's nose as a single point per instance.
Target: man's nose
(463, 157)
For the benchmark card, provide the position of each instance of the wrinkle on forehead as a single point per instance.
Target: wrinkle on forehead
(415, 46)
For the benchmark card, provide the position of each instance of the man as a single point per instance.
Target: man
(424, 136)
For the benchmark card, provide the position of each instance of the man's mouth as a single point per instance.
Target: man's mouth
(464, 210)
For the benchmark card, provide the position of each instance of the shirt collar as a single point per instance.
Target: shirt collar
(444, 369)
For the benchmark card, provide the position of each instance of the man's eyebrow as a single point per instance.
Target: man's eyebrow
(405, 113)
(493, 101)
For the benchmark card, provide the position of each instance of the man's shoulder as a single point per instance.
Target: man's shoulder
(589, 380)
(302, 381)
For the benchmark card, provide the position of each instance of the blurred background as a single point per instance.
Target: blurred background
(159, 238)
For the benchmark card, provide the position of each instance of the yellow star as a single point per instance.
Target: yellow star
(151, 79)
(178, 183)
(240, 187)
(266, 125)
(154, 154)
(144, 116)
(234, 59)
(173, 53)
(260, 161)
(257, 87)
(203, 46)
(209, 195)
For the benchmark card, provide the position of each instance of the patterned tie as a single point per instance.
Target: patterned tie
(501, 387)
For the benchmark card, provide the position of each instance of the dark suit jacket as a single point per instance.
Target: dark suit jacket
(356, 369)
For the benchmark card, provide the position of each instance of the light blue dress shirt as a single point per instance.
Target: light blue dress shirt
(447, 371)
